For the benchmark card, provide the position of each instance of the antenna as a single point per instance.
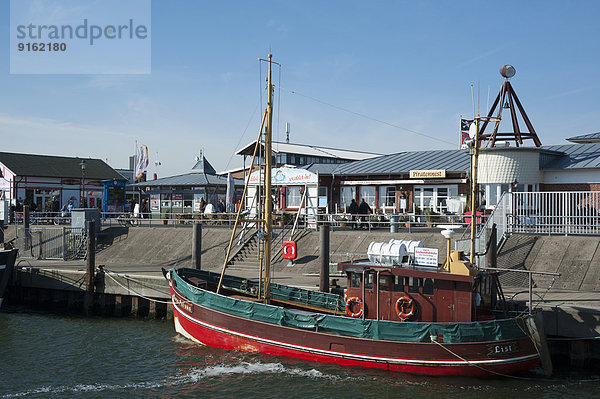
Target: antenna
(287, 132)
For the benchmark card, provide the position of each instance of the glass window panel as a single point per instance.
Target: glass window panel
(355, 280)
(368, 194)
(413, 284)
(293, 196)
(387, 196)
(384, 283)
(428, 286)
(369, 277)
(347, 195)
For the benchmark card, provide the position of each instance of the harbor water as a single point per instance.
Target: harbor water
(52, 356)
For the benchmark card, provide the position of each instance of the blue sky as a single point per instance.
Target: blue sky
(408, 63)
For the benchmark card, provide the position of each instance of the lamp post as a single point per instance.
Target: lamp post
(83, 201)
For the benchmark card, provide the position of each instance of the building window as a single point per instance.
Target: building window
(293, 196)
(434, 197)
(368, 194)
(387, 197)
(346, 196)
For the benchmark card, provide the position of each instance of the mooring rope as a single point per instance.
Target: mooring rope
(127, 277)
(136, 293)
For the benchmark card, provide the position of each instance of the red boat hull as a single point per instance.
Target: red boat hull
(218, 329)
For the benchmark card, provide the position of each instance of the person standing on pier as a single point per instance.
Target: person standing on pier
(353, 209)
(364, 210)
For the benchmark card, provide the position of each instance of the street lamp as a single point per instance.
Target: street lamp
(82, 164)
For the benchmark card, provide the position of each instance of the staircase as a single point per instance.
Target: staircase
(247, 257)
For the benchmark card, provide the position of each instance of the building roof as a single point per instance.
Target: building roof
(403, 162)
(586, 138)
(54, 166)
(321, 168)
(310, 150)
(576, 156)
(189, 179)
(203, 166)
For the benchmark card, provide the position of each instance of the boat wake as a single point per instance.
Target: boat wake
(193, 376)
(250, 368)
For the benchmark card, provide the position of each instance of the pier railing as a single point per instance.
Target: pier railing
(541, 213)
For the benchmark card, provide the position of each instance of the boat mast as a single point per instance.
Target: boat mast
(474, 190)
(268, 218)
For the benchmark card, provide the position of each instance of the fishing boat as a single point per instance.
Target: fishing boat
(7, 263)
(394, 314)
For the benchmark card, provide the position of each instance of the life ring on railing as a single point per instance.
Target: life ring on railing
(405, 308)
(345, 294)
(349, 303)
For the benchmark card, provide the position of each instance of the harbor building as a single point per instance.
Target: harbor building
(35, 179)
(183, 194)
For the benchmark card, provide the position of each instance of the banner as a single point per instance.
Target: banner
(141, 161)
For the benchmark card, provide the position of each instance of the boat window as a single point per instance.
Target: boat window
(384, 283)
(413, 284)
(399, 283)
(355, 280)
(428, 286)
(369, 281)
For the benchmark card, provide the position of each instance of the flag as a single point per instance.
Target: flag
(141, 163)
(464, 131)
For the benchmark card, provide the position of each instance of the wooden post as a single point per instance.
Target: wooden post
(26, 216)
(197, 246)
(27, 242)
(91, 256)
(491, 258)
(152, 310)
(324, 258)
(90, 267)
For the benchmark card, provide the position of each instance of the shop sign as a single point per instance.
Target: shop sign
(177, 197)
(286, 177)
(428, 174)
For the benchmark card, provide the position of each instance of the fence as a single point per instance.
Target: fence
(51, 243)
(542, 213)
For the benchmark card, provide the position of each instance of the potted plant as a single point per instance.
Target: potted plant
(343, 221)
(431, 217)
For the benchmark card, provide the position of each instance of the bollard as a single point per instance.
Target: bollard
(197, 246)
(394, 224)
(324, 257)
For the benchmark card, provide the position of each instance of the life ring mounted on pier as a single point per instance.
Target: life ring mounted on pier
(405, 308)
(349, 303)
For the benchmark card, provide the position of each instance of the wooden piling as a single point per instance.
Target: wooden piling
(152, 309)
(90, 269)
(324, 259)
(197, 246)
(134, 306)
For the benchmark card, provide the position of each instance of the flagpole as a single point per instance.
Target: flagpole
(460, 134)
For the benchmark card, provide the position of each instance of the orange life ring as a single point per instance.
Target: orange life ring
(405, 308)
(349, 302)
(346, 295)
